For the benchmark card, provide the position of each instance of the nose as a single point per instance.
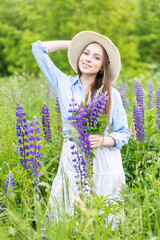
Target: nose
(88, 59)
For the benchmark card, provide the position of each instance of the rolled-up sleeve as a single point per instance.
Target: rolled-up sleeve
(54, 76)
(120, 131)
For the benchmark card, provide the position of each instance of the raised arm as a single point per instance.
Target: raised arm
(54, 75)
(56, 45)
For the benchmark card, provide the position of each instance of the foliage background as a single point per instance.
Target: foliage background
(133, 25)
(24, 216)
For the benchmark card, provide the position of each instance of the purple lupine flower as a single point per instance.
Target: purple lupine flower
(58, 115)
(47, 220)
(22, 131)
(136, 84)
(158, 108)
(86, 119)
(138, 123)
(9, 184)
(96, 108)
(9, 187)
(46, 123)
(57, 106)
(127, 104)
(122, 94)
(34, 150)
(150, 94)
(48, 91)
(139, 98)
(79, 161)
(27, 134)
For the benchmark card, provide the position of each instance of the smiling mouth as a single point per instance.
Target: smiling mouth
(86, 65)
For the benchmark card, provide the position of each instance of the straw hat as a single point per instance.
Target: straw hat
(84, 38)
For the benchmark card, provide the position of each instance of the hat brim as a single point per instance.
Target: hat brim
(84, 38)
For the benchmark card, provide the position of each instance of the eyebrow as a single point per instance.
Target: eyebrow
(94, 53)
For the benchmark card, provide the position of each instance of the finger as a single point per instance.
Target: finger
(93, 139)
(93, 136)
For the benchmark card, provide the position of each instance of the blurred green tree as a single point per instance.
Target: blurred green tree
(132, 25)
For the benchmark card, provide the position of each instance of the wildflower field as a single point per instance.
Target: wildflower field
(30, 148)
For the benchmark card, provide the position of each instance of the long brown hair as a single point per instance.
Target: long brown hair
(101, 79)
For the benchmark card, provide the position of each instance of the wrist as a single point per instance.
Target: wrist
(109, 141)
(102, 141)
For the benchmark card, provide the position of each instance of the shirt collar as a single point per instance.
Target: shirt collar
(76, 80)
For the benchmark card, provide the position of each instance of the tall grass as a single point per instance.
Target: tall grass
(23, 216)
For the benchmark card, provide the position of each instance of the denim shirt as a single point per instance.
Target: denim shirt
(68, 87)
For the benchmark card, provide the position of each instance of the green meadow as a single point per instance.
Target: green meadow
(23, 215)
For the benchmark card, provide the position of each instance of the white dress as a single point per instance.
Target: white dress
(108, 177)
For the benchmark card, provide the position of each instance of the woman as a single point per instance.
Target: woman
(97, 61)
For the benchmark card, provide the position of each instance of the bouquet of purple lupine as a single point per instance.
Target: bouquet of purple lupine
(87, 119)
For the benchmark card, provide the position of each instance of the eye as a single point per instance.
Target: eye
(97, 58)
(85, 53)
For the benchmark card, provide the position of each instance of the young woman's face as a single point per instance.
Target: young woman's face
(91, 59)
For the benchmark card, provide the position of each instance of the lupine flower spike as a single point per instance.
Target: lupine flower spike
(58, 115)
(27, 134)
(9, 184)
(78, 159)
(48, 91)
(139, 98)
(46, 123)
(158, 108)
(22, 133)
(35, 149)
(9, 188)
(150, 94)
(138, 123)
(122, 93)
